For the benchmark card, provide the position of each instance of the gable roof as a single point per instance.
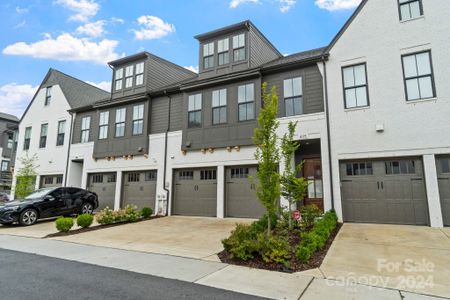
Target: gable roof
(8, 117)
(77, 92)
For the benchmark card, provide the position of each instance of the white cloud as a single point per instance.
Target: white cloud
(104, 85)
(117, 20)
(236, 3)
(94, 29)
(21, 24)
(332, 5)
(66, 47)
(192, 68)
(84, 9)
(15, 97)
(286, 5)
(22, 10)
(152, 28)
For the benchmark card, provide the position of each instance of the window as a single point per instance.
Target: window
(186, 175)
(48, 180)
(138, 119)
(59, 179)
(359, 169)
(120, 122)
(400, 167)
(195, 110)
(208, 175)
(140, 73)
(111, 178)
(410, 9)
(151, 175)
(103, 125)
(43, 137)
(355, 86)
(445, 165)
(239, 47)
(26, 142)
(219, 106)
(222, 48)
(48, 96)
(61, 133)
(85, 128)
(418, 76)
(239, 173)
(246, 102)
(10, 140)
(208, 56)
(129, 76)
(293, 96)
(118, 79)
(97, 178)
(5, 166)
(134, 177)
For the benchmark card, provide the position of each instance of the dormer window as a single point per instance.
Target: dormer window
(239, 47)
(410, 9)
(48, 96)
(119, 76)
(129, 76)
(139, 73)
(222, 48)
(208, 55)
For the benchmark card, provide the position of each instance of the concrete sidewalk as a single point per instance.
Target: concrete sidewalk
(215, 274)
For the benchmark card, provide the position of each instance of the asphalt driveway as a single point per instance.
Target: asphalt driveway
(409, 258)
(193, 237)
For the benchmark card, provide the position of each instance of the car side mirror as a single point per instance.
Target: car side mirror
(49, 198)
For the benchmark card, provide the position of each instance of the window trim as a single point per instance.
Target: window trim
(356, 86)
(138, 120)
(43, 138)
(136, 75)
(121, 122)
(131, 76)
(195, 111)
(27, 141)
(88, 130)
(209, 55)
(101, 125)
(240, 48)
(7, 166)
(223, 52)
(406, 3)
(219, 107)
(10, 142)
(116, 80)
(48, 95)
(433, 85)
(247, 102)
(58, 133)
(293, 97)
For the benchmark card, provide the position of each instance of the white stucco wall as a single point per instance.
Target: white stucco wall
(415, 128)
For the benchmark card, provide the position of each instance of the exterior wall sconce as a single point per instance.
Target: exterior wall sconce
(229, 149)
(203, 151)
(237, 148)
(211, 150)
(113, 158)
(125, 157)
(108, 158)
(184, 152)
(130, 157)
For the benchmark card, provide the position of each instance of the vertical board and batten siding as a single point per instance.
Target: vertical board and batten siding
(312, 88)
(159, 113)
(260, 52)
(76, 138)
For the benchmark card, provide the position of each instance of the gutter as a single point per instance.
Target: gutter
(327, 115)
(68, 150)
(166, 137)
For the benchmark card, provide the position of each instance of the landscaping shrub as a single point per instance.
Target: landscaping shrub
(309, 214)
(105, 216)
(274, 249)
(261, 224)
(131, 213)
(317, 237)
(108, 216)
(64, 224)
(85, 220)
(242, 243)
(146, 212)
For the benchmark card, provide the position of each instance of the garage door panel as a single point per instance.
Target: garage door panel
(48, 181)
(443, 173)
(104, 185)
(140, 189)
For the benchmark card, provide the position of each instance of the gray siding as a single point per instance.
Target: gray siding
(76, 138)
(159, 113)
(313, 99)
(260, 52)
(233, 133)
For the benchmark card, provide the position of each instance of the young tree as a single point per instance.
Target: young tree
(26, 176)
(267, 154)
(292, 188)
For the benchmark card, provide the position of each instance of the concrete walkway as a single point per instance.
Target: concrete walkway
(240, 279)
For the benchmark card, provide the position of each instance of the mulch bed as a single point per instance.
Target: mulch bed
(294, 265)
(94, 228)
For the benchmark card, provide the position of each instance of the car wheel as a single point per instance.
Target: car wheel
(28, 217)
(87, 208)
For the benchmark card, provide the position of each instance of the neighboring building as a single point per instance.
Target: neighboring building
(389, 100)
(8, 131)
(45, 126)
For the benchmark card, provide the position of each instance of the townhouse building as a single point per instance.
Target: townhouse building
(371, 107)
(8, 130)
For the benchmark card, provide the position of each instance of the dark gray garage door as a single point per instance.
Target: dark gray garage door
(51, 181)
(104, 185)
(241, 200)
(195, 192)
(443, 170)
(139, 188)
(384, 191)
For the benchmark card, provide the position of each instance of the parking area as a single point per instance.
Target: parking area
(411, 258)
(39, 230)
(194, 237)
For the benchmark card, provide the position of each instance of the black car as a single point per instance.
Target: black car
(47, 203)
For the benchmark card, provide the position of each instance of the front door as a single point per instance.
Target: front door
(312, 171)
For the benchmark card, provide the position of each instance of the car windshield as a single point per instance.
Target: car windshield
(39, 193)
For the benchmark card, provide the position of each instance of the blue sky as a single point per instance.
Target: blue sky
(78, 37)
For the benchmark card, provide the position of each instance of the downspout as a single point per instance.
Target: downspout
(165, 153)
(327, 115)
(68, 150)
